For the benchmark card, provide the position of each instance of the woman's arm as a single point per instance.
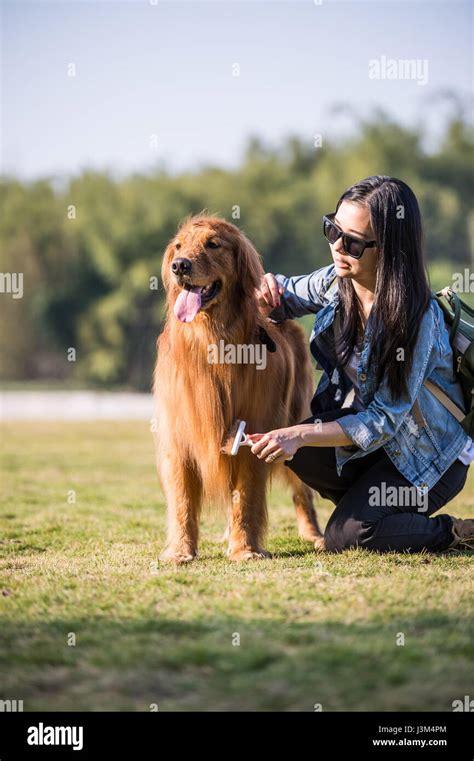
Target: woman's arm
(323, 435)
(297, 295)
(284, 442)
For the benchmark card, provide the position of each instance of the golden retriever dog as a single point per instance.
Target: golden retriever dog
(210, 272)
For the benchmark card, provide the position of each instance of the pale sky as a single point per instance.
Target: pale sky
(165, 68)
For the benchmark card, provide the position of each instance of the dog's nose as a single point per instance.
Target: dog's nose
(181, 266)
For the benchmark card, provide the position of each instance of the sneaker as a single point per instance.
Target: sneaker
(463, 533)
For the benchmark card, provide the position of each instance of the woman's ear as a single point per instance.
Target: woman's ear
(248, 265)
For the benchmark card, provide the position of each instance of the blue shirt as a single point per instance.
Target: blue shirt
(421, 453)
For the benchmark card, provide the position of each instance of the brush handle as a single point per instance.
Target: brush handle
(240, 437)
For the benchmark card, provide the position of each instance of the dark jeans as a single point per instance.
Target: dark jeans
(356, 521)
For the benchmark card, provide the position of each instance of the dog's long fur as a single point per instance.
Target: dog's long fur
(196, 402)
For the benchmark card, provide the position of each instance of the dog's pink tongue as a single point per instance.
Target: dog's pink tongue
(188, 304)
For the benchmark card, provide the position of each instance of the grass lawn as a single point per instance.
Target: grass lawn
(312, 629)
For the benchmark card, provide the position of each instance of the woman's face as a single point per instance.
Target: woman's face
(354, 220)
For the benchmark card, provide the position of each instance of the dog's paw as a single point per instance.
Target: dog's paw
(248, 554)
(319, 544)
(310, 534)
(174, 556)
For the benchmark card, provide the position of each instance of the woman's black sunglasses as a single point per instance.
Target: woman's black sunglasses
(353, 246)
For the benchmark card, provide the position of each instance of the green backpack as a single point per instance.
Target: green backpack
(459, 318)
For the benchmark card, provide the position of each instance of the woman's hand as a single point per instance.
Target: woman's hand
(276, 446)
(268, 294)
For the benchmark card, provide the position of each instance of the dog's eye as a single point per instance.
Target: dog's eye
(177, 246)
(212, 244)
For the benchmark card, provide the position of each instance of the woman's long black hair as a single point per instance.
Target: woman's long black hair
(402, 292)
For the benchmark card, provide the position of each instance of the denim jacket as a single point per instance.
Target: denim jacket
(421, 453)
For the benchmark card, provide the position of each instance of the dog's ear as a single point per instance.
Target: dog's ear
(248, 264)
(165, 265)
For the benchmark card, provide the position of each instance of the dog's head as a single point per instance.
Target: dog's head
(208, 266)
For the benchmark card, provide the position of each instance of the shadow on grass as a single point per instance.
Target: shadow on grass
(231, 664)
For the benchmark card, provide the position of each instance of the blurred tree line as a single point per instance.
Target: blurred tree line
(88, 250)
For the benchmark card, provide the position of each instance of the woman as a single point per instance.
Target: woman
(396, 455)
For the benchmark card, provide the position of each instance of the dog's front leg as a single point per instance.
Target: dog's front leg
(183, 491)
(249, 513)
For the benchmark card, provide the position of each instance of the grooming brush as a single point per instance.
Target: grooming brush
(236, 438)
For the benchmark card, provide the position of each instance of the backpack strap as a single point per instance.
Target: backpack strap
(441, 397)
(418, 415)
(445, 400)
(454, 316)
